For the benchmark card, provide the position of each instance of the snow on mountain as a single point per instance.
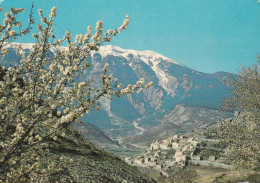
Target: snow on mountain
(146, 55)
(152, 59)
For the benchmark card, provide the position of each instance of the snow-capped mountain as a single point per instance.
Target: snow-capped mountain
(174, 84)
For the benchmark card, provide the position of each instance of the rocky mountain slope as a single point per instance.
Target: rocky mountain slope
(173, 84)
(155, 107)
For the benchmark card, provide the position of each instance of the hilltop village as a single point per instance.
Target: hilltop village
(174, 153)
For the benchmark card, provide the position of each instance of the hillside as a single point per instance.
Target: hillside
(90, 163)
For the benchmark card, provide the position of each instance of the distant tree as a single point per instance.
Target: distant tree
(245, 90)
(40, 97)
(241, 134)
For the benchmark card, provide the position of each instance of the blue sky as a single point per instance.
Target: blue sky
(205, 35)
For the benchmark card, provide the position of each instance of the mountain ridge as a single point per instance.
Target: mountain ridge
(133, 114)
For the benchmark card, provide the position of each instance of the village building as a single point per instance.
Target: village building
(195, 143)
(169, 163)
(128, 160)
(147, 151)
(184, 158)
(139, 161)
(153, 158)
(159, 166)
(154, 146)
(176, 136)
(157, 153)
(178, 153)
(182, 137)
(196, 158)
(165, 146)
(151, 163)
(166, 141)
(182, 163)
(178, 156)
(212, 158)
(181, 158)
(147, 159)
(175, 145)
(185, 148)
(191, 139)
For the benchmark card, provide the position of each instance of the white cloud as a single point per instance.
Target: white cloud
(1, 1)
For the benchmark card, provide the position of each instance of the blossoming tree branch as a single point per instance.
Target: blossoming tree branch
(40, 97)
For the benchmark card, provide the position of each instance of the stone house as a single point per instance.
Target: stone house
(159, 166)
(128, 160)
(147, 159)
(178, 153)
(139, 161)
(182, 137)
(191, 139)
(178, 158)
(196, 158)
(166, 141)
(185, 148)
(153, 158)
(154, 146)
(148, 151)
(151, 163)
(183, 158)
(157, 153)
(176, 136)
(169, 163)
(165, 146)
(175, 145)
(194, 144)
(212, 158)
(182, 163)
(173, 140)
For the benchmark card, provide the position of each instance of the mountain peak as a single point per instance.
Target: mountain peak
(145, 54)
